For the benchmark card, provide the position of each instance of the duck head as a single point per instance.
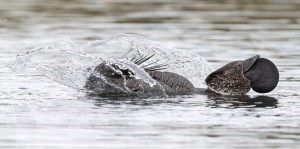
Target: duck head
(238, 77)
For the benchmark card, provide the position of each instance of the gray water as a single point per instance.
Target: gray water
(36, 112)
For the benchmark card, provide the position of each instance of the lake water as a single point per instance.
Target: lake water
(36, 112)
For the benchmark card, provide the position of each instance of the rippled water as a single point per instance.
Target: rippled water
(36, 112)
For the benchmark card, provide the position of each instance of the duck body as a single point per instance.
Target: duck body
(174, 84)
(168, 83)
(235, 78)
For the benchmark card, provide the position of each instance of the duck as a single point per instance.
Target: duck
(233, 79)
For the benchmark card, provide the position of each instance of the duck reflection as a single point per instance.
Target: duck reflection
(213, 101)
(135, 101)
(243, 101)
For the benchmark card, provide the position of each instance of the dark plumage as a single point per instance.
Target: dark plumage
(229, 80)
(173, 83)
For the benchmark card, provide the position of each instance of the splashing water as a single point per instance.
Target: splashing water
(58, 59)
(67, 63)
(188, 64)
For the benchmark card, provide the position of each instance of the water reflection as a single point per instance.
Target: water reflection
(213, 101)
(244, 101)
(133, 101)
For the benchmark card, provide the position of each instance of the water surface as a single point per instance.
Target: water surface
(36, 112)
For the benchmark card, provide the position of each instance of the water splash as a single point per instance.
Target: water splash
(180, 61)
(67, 63)
(56, 58)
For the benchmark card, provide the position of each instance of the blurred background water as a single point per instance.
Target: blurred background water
(36, 112)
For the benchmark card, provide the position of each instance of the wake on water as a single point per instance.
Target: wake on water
(67, 62)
